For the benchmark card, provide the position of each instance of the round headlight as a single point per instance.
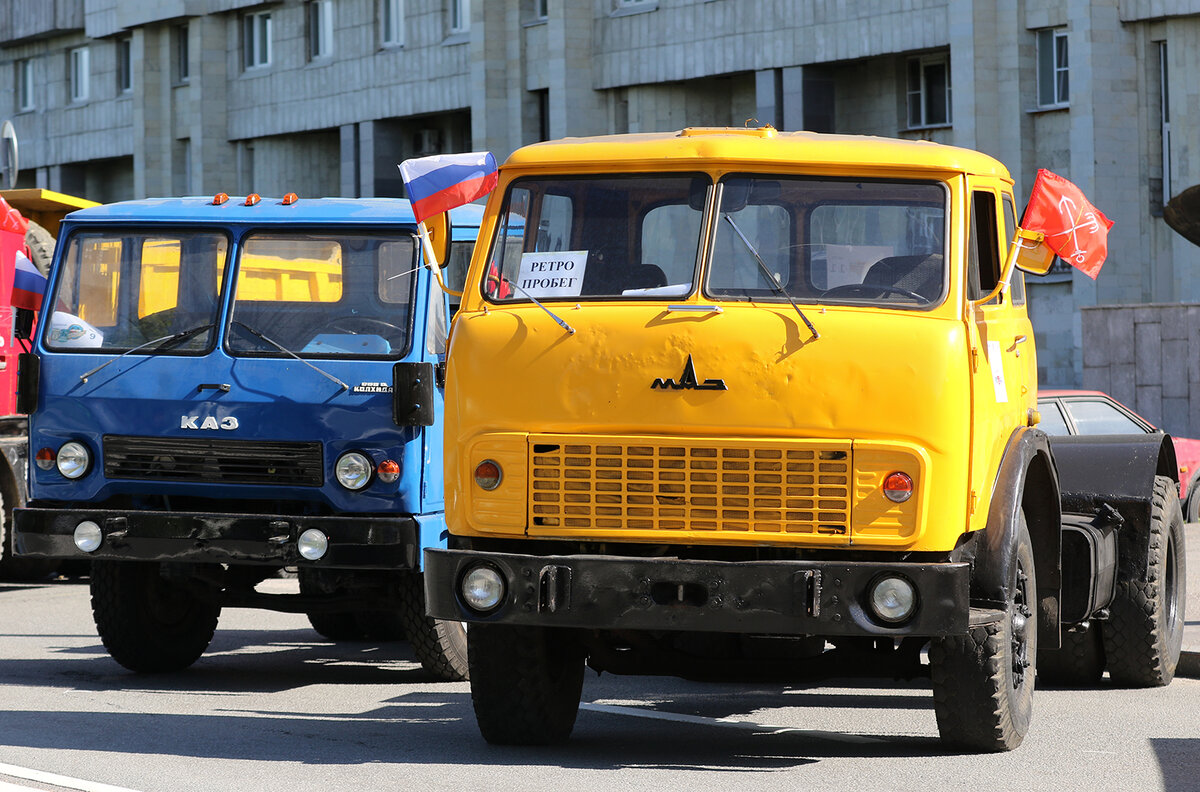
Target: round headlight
(312, 544)
(73, 460)
(482, 589)
(893, 599)
(88, 536)
(353, 470)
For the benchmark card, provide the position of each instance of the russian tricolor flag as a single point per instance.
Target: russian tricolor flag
(439, 183)
(29, 285)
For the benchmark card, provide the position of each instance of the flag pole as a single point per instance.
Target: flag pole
(430, 256)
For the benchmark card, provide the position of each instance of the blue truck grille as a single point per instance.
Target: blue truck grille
(207, 460)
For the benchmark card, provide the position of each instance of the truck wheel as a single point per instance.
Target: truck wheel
(41, 247)
(148, 623)
(525, 684)
(440, 644)
(1079, 663)
(1191, 505)
(983, 681)
(1144, 632)
(334, 625)
(14, 567)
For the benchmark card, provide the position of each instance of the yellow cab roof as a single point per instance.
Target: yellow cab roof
(752, 149)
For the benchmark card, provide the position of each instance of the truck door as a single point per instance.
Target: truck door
(1004, 364)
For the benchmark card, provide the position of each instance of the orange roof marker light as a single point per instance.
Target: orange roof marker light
(219, 199)
(252, 199)
(290, 199)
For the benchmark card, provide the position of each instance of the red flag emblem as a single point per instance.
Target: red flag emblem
(1074, 229)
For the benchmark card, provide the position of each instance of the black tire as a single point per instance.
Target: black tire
(334, 625)
(1079, 663)
(149, 624)
(1191, 507)
(1144, 632)
(983, 681)
(440, 645)
(525, 684)
(41, 247)
(14, 567)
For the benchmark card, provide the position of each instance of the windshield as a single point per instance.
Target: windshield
(598, 238)
(120, 290)
(829, 241)
(323, 295)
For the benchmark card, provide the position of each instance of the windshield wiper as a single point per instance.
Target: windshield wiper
(570, 330)
(287, 351)
(165, 342)
(775, 284)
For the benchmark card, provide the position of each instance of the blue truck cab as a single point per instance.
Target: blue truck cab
(222, 388)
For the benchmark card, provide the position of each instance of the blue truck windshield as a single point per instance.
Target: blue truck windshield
(121, 290)
(323, 295)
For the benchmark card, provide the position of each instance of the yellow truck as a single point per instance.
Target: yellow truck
(734, 402)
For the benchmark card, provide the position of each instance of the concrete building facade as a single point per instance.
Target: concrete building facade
(117, 99)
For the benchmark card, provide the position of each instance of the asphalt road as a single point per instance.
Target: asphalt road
(274, 706)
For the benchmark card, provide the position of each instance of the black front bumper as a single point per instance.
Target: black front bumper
(355, 542)
(633, 593)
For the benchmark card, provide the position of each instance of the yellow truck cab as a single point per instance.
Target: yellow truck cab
(727, 401)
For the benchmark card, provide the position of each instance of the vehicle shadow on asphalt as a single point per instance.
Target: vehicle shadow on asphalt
(1179, 762)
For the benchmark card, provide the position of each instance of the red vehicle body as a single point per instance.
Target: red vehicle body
(1095, 412)
(43, 209)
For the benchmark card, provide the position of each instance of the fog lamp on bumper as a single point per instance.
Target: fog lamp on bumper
(893, 599)
(312, 544)
(88, 536)
(482, 589)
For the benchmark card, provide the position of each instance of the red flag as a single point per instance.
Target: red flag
(1074, 229)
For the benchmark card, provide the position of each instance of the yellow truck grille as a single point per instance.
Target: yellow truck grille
(667, 484)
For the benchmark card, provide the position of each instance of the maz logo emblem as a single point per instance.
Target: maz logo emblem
(688, 381)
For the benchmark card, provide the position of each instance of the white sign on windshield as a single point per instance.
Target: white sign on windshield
(555, 274)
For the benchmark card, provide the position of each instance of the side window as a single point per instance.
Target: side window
(554, 223)
(1099, 418)
(1052, 422)
(99, 262)
(733, 263)
(1017, 286)
(662, 227)
(984, 251)
(510, 242)
(396, 270)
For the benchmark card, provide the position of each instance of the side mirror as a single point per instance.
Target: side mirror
(23, 323)
(438, 227)
(1033, 254)
(412, 394)
(29, 369)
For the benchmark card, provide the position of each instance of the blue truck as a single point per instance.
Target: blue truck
(223, 388)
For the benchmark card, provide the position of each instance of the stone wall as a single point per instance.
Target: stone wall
(1148, 357)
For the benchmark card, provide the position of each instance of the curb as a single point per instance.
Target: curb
(1189, 665)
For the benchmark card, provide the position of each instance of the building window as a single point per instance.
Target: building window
(24, 84)
(460, 16)
(124, 65)
(77, 74)
(179, 47)
(928, 91)
(392, 21)
(320, 29)
(256, 39)
(1054, 85)
(541, 9)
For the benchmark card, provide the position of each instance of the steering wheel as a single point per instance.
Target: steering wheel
(336, 325)
(871, 290)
